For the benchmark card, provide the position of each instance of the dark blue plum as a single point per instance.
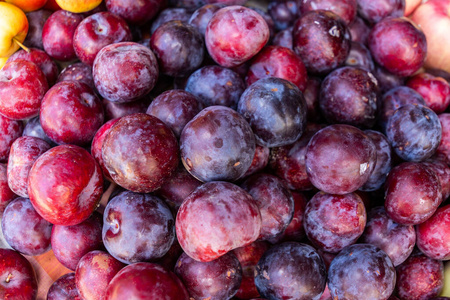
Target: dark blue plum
(275, 109)
(414, 132)
(291, 270)
(361, 271)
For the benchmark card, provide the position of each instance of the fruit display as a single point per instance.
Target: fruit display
(224, 149)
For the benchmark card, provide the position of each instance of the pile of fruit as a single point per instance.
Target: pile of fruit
(225, 149)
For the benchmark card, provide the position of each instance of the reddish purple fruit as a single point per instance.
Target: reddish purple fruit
(22, 87)
(322, 40)
(235, 34)
(71, 243)
(434, 90)
(142, 281)
(420, 277)
(433, 238)
(140, 152)
(340, 159)
(274, 201)
(137, 227)
(248, 257)
(71, 113)
(24, 151)
(97, 31)
(17, 276)
(71, 188)
(47, 65)
(214, 280)
(396, 240)
(333, 222)
(125, 72)
(398, 45)
(94, 272)
(64, 288)
(413, 193)
(57, 35)
(24, 229)
(216, 218)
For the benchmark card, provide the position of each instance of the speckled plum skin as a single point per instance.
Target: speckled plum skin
(420, 277)
(217, 144)
(215, 280)
(33, 128)
(6, 195)
(398, 45)
(412, 193)
(22, 87)
(248, 257)
(135, 12)
(24, 151)
(96, 146)
(124, 72)
(433, 237)
(414, 132)
(361, 271)
(276, 111)
(288, 162)
(322, 40)
(275, 202)
(396, 240)
(442, 170)
(216, 85)
(64, 288)
(235, 34)
(349, 95)
(23, 284)
(179, 48)
(291, 270)
(47, 65)
(333, 222)
(97, 31)
(375, 11)
(434, 90)
(216, 218)
(24, 229)
(57, 35)
(140, 152)
(176, 188)
(175, 108)
(71, 188)
(71, 243)
(201, 16)
(276, 61)
(393, 99)
(10, 130)
(137, 227)
(345, 9)
(146, 281)
(384, 161)
(444, 145)
(339, 159)
(36, 21)
(79, 72)
(71, 113)
(94, 272)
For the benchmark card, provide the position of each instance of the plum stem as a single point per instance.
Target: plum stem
(21, 45)
(8, 279)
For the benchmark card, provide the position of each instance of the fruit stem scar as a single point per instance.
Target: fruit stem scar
(21, 45)
(8, 279)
